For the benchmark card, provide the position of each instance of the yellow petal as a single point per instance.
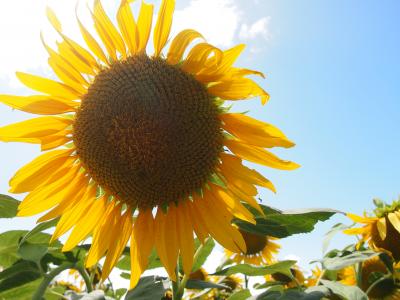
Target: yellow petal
(233, 165)
(218, 223)
(198, 55)
(215, 70)
(75, 57)
(236, 192)
(238, 89)
(142, 242)
(85, 225)
(179, 45)
(199, 226)
(358, 219)
(48, 86)
(381, 225)
(70, 217)
(91, 42)
(44, 197)
(144, 25)
(122, 232)
(259, 155)
(184, 231)
(127, 26)
(32, 130)
(166, 241)
(73, 193)
(163, 25)
(394, 219)
(354, 231)
(51, 16)
(56, 140)
(39, 170)
(103, 236)
(41, 104)
(223, 199)
(254, 132)
(107, 31)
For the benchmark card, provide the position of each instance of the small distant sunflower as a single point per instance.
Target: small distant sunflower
(140, 146)
(346, 276)
(384, 290)
(381, 231)
(260, 249)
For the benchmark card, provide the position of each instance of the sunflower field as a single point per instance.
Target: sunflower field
(147, 171)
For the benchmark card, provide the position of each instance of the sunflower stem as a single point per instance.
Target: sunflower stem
(86, 278)
(49, 277)
(175, 286)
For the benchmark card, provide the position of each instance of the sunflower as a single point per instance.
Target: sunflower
(381, 231)
(387, 289)
(260, 249)
(142, 147)
(346, 276)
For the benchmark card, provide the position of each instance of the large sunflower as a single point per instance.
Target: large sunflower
(381, 231)
(260, 249)
(140, 146)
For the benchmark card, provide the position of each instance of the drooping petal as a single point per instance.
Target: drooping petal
(48, 86)
(32, 130)
(142, 242)
(40, 104)
(184, 230)
(166, 240)
(122, 232)
(85, 226)
(127, 26)
(70, 217)
(253, 131)
(163, 25)
(144, 25)
(259, 155)
(238, 89)
(394, 219)
(236, 192)
(103, 235)
(199, 226)
(179, 45)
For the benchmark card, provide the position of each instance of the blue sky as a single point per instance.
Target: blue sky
(332, 72)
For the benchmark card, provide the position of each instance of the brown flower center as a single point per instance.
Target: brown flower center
(148, 132)
(254, 243)
(382, 289)
(392, 240)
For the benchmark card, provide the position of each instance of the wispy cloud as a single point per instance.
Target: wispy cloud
(259, 28)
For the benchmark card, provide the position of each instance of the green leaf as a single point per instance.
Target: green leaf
(196, 284)
(18, 274)
(32, 252)
(8, 206)
(25, 292)
(282, 224)
(39, 228)
(346, 291)
(249, 270)
(125, 262)
(148, 288)
(290, 295)
(9, 242)
(339, 262)
(204, 253)
(331, 233)
(240, 295)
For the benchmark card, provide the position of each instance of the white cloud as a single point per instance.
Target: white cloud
(217, 20)
(257, 29)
